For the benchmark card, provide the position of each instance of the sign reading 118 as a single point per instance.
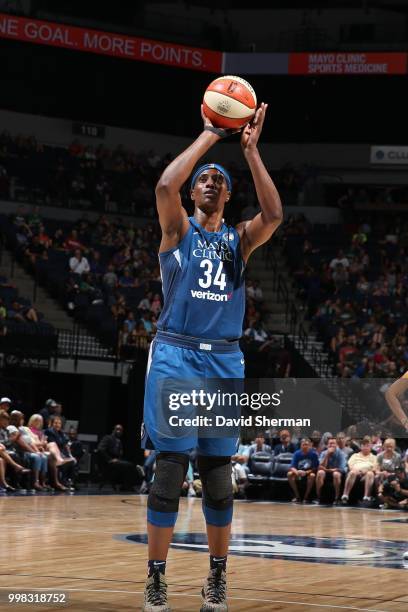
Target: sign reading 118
(88, 129)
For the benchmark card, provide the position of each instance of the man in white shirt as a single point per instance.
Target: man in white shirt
(79, 264)
(340, 259)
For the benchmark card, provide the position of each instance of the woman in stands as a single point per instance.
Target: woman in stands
(37, 459)
(55, 435)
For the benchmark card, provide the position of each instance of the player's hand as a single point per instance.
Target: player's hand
(220, 132)
(252, 131)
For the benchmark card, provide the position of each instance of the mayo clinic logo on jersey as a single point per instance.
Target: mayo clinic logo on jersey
(228, 236)
(217, 249)
(341, 551)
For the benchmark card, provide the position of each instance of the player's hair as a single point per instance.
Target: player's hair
(366, 440)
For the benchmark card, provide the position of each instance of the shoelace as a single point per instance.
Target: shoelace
(216, 586)
(156, 591)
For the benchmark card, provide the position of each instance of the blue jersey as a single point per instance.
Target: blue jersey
(203, 284)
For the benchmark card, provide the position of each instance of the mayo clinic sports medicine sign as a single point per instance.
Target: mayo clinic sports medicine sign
(389, 155)
(182, 56)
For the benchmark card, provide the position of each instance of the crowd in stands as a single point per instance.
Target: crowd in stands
(106, 274)
(353, 280)
(17, 314)
(35, 453)
(324, 469)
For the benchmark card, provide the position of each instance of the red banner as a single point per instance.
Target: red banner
(109, 43)
(347, 63)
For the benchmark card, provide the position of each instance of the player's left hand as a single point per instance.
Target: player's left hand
(252, 131)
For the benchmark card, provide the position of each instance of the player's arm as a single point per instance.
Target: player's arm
(392, 396)
(258, 230)
(172, 216)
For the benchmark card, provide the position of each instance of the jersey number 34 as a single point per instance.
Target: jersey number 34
(208, 280)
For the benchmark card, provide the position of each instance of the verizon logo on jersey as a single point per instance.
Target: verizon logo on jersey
(209, 295)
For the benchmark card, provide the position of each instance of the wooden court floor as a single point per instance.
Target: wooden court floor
(314, 558)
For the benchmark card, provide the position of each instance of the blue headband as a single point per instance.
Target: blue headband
(201, 169)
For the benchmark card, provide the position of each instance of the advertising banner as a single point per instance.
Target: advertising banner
(347, 63)
(388, 155)
(109, 43)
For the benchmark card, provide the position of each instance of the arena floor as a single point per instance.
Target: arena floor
(285, 557)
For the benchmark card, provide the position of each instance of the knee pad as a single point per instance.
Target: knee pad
(215, 474)
(164, 495)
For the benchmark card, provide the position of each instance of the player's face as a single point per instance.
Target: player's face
(210, 190)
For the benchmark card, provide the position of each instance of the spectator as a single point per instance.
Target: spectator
(362, 466)
(388, 461)
(110, 452)
(55, 434)
(332, 466)
(6, 451)
(258, 447)
(47, 411)
(37, 459)
(393, 491)
(110, 278)
(78, 264)
(340, 259)
(5, 404)
(342, 445)
(285, 444)
(303, 467)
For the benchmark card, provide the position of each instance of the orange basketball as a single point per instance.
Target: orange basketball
(229, 102)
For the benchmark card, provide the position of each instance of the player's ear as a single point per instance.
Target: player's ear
(228, 196)
(192, 195)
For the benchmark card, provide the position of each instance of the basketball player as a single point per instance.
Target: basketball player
(393, 395)
(202, 263)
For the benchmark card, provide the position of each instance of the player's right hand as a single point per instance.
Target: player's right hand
(220, 132)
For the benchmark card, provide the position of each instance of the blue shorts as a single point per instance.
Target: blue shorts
(174, 357)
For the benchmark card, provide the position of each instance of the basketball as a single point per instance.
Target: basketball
(229, 102)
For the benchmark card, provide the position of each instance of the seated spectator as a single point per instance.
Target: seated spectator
(393, 491)
(362, 466)
(110, 451)
(156, 305)
(388, 461)
(6, 452)
(343, 446)
(332, 466)
(110, 278)
(340, 259)
(72, 242)
(5, 404)
(258, 447)
(239, 467)
(317, 441)
(55, 434)
(22, 439)
(130, 322)
(36, 250)
(304, 465)
(285, 445)
(148, 467)
(78, 264)
(146, 302)
(127, 280)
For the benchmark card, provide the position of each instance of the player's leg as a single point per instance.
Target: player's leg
(215, 475)
(171, 467)
(162, 510)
